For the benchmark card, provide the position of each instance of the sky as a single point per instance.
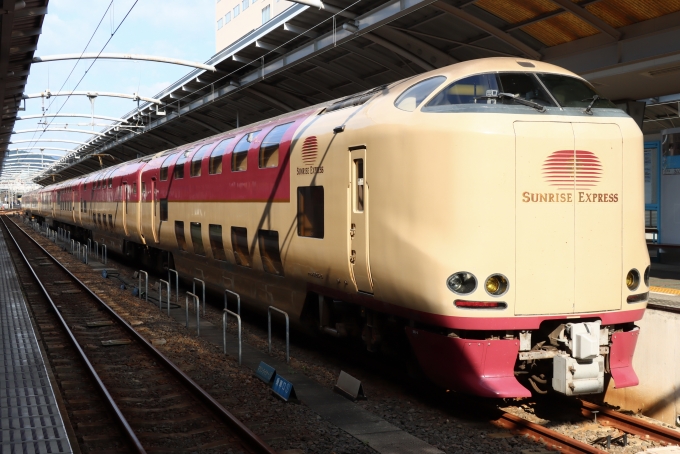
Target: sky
(170, 28)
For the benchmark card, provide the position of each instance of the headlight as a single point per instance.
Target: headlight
(496, 285)
(633, 279)
(462, 283)
(647, 275)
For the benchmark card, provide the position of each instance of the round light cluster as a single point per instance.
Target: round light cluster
(496, 285)
(462, 283)
(633, 279)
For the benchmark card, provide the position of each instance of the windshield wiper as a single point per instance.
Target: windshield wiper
(516, 99)
(592, 100)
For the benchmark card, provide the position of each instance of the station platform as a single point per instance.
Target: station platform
(664, 283)
(30, 420)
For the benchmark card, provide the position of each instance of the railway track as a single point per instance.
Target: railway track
(122, 394)
(629, 424)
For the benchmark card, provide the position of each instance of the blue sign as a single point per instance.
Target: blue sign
(284, 389)
(265, 372)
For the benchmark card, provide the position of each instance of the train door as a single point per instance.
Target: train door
(154, 210)
(73, 205)
(358, 217)
(141, 196)
(125, 196)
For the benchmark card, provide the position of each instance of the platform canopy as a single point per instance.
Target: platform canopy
(20, 27)
(629, 49)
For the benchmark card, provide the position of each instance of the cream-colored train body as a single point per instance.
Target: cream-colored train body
(504, 237)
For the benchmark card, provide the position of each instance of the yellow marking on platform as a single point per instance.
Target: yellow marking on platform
(667, 291)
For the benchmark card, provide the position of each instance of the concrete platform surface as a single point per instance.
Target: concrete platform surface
(30, 421)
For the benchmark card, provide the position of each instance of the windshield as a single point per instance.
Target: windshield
(562, 91)
(481, 89)
(572, 92)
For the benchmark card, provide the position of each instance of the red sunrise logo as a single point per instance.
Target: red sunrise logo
(568, 170)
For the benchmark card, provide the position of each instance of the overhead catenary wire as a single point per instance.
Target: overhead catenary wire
(78, 61)
(94, 60)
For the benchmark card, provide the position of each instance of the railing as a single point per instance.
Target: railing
(176, 284)
(238, 300)
(269, 329)
(160, 295)
(224, 332)
(194, 290)
(198, 312)
(146, 293)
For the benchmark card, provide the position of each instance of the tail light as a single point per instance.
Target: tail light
(480, 304)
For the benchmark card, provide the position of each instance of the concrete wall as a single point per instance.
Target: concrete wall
(657, 364)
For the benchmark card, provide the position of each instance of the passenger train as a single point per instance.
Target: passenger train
(488, 215)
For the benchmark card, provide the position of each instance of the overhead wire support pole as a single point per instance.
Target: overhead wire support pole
(116, 56)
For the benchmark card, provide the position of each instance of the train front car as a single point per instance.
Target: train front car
(506, 217)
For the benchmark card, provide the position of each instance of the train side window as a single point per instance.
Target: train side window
(269, 150)
(179, 165)
(359, 178)
(164, 167)
(99, 219)
(111, 220)
(110, 183)
(414, 95)
(134, 188)
(268, 240)
(239, 157)
(197, 159)
(179, 235)
(215, 165)
(196, 239)
(310, 211)
(239, 243)
(143, 189)
(164, 209)
(215, 233)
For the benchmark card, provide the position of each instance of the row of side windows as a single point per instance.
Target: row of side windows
(268, 240)
(268, 156)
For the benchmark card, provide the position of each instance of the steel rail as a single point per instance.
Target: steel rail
(132, 438)
(551, 438)
(629, 424)
(248, 436)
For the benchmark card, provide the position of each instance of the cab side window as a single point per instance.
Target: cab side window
(414, 95)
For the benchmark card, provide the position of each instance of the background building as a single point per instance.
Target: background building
(236, 18)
